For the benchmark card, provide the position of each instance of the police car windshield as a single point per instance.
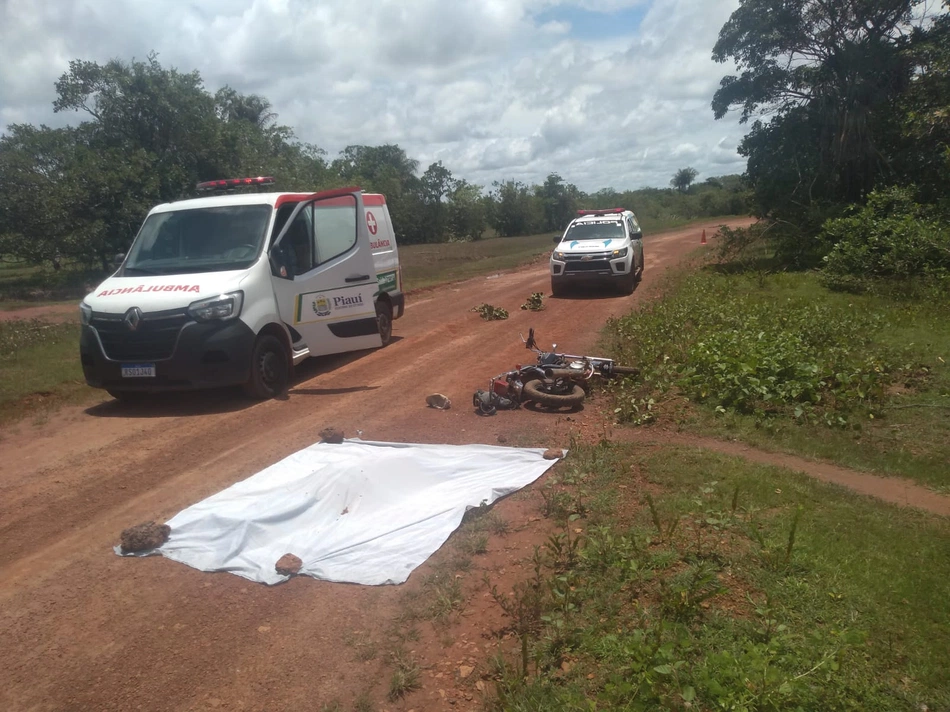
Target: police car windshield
(199, 240)
(595, 230)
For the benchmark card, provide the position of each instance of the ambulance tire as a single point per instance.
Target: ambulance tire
(384, 319)
(270, 369)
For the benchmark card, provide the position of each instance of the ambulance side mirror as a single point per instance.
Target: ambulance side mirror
(557, 238)
(117, 260)
(280, 267)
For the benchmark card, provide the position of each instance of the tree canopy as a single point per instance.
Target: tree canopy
(834, 78)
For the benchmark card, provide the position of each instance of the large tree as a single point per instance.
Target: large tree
(825, 72)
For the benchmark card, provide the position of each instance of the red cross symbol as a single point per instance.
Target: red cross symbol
(371, 223)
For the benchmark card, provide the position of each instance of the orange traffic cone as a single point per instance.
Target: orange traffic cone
(703, 241)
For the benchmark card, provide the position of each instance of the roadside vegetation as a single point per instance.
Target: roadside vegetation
(822, 329)
(39, 367)
(697, 581)
(779, 360)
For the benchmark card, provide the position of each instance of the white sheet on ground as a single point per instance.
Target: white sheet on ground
(360, 512)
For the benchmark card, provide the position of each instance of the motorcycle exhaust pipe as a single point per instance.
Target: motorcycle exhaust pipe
(550, 372)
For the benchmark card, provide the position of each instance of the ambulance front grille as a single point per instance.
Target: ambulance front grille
(153, 339)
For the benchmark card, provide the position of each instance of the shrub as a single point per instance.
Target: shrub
(892, 237)
(720, 341)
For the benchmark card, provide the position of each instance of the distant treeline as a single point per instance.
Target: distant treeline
(79, 193)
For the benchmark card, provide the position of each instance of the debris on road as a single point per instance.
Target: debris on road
(439, 401)
(535, 302)
(490, 313)
(331, 435)
(144, 537)
(553, 454)
(288, 565)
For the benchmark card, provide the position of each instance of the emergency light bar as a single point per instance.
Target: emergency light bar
(606, 211)
(233, 183)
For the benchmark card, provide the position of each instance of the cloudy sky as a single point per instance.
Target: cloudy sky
(607, 93)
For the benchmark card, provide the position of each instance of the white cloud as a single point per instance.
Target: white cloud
(481, 86)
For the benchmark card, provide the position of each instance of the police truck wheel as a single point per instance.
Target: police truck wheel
(557, 288)
(270, 369)
(629, 282)
(384, 318)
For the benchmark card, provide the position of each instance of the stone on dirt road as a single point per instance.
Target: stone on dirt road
(437, 400)
(331, 435)
(288, 565)
(553, 454)
(144, 537)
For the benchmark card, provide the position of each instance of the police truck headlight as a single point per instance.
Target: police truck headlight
(85, 313)
(622, 252)
(225, 306)
(559, 255)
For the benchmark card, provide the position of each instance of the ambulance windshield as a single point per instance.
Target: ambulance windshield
(214, 239)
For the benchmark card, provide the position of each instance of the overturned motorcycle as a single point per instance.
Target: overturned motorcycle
(555, 381)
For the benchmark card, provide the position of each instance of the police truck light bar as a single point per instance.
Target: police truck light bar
(606, 211)
(233, 183)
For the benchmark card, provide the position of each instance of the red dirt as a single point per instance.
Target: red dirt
(86, 629)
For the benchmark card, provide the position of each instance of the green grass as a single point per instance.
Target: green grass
(39, 367)
(781, 362)
(774, 592)
(429, 265)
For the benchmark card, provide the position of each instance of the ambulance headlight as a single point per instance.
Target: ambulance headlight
(559, 255)
(85, 313)
(224, 306)
(622, 252)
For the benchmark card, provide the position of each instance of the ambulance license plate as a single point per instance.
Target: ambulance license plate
(138, 370)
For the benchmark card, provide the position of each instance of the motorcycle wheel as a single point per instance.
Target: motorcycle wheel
(534, 391)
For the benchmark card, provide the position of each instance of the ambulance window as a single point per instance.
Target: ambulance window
(298, 241)
(335, 227)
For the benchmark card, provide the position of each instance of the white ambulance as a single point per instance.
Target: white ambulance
(237, 288)
(598, 247)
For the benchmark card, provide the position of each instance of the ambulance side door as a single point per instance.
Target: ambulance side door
(324, 276)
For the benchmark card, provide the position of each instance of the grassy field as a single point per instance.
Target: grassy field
(429, 265)
(779, 361)
(685, 580)
(39, 368)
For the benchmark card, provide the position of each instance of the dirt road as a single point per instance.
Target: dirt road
(83, 629)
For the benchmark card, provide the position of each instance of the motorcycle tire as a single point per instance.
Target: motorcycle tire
(533, 391)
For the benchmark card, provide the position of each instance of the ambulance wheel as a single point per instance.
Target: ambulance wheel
(384, 319)
(270, 369)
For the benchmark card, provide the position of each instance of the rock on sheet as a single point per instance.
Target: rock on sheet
(360, 512)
